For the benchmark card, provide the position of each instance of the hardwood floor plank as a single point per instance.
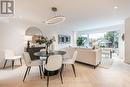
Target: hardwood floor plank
(116, 76)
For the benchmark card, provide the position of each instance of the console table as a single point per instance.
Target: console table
(33, 50)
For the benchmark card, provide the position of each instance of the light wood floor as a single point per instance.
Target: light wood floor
(116, 76)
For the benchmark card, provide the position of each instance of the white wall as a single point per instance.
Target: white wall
(11, 37)
(121, 43)
(127, 40)
(58, 46)
(102, 29)
(12, 32)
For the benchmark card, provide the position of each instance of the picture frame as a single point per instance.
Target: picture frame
(64, 39)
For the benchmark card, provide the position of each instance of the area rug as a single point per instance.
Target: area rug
(106, 63)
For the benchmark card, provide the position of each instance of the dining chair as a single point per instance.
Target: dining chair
(10, 55)
(29, 63)
(53, 67)
(71, 61)
(69, 52)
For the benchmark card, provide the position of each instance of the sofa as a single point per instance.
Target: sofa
(85, 55)
(89, 56)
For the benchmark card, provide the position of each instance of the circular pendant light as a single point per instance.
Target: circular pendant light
(55, 19)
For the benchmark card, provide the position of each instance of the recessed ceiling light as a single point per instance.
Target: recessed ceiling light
(115, 7)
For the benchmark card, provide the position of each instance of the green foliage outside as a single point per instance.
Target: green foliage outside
(113, 37)
(80, 41)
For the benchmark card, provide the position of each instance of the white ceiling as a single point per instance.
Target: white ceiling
(80, 14)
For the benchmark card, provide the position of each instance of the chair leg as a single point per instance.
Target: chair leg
(29, 70)
(73, 69)
(61, 77)
(26, 73)
(12, 64)
(62, 68)
(47, 79)
(40, 71)
(21, 61)
(5, 64)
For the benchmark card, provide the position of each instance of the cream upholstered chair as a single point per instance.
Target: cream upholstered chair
(10, 55)
(54, 64)
(29, 63)
(69, 52)
(71, 61)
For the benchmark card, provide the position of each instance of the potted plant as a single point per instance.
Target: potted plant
(46, 41)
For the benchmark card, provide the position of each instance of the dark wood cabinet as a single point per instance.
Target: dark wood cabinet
(32, 50)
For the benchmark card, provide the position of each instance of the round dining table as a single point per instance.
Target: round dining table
(44, 54)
